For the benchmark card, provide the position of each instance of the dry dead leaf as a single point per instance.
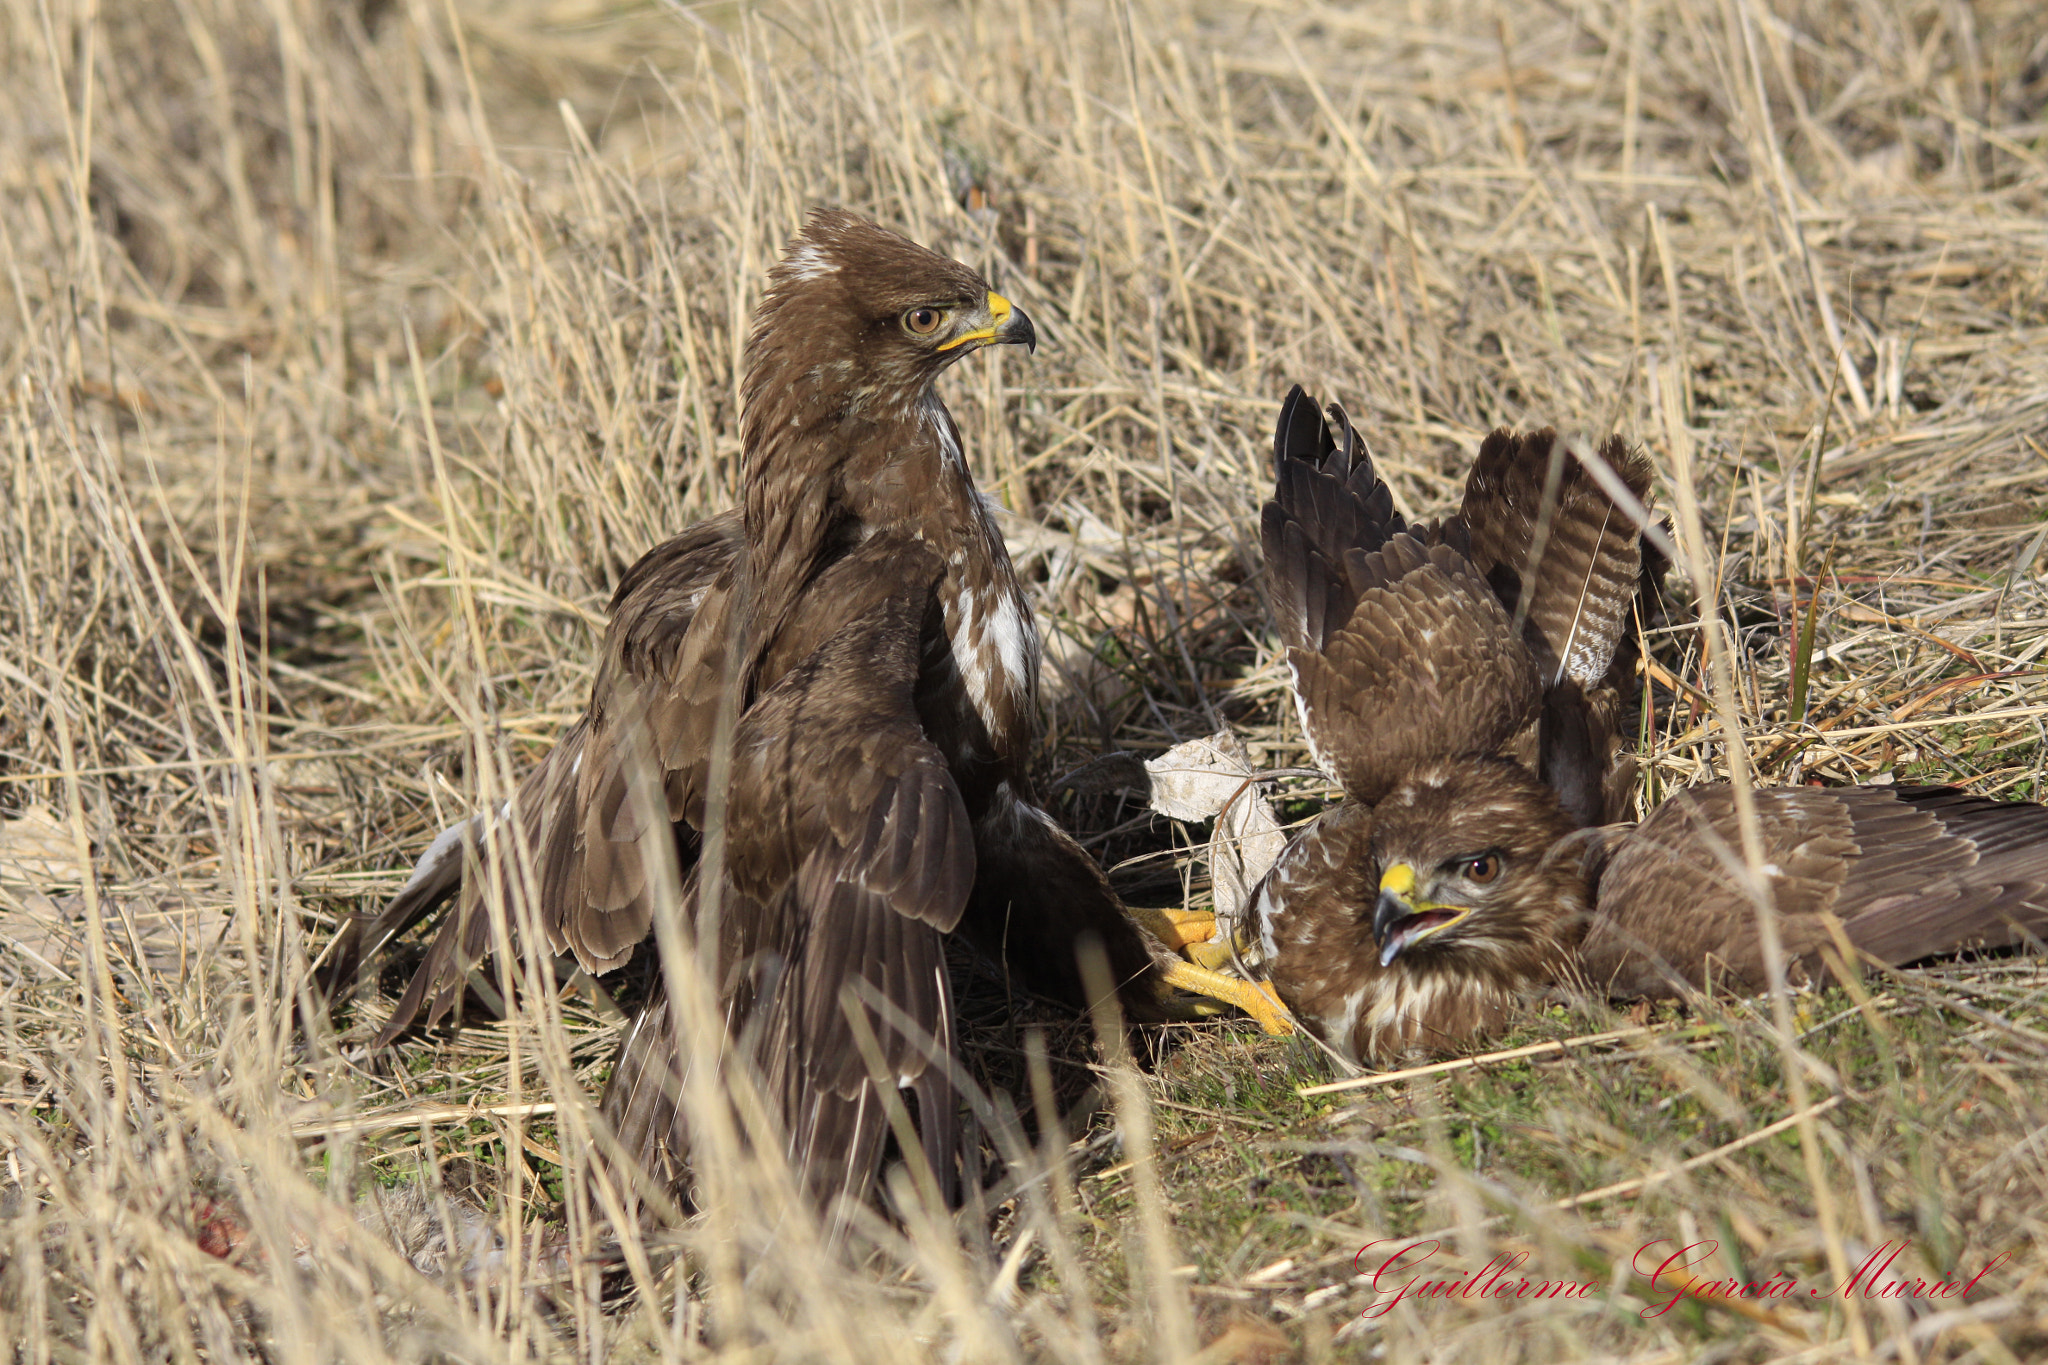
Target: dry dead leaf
(1213, 779)
(36, 849)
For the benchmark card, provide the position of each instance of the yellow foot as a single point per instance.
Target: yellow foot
(1178, 929)
(1212, 956)
(1255, 998)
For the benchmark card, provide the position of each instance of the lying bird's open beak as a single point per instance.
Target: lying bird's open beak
(1399, 921)
(1007, 325)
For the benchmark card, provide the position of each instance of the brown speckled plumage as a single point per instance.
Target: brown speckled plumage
(1439, 670)
(1317, 909)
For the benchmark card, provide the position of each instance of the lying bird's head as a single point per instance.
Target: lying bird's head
(1471, 866)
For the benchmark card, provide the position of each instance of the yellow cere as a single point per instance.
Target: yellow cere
(998, 309)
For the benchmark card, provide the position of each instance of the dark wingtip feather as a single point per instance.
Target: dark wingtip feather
(1990, 889)
(364, 938)
(1327, 502)
(1300, 433)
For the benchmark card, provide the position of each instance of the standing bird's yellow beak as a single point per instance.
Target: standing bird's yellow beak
(1007, 325)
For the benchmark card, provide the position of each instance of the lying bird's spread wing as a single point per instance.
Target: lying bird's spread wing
(1426, 666)
(1562, 557)
(1568, 563)
(1327, 500)
(849, 857)
(1942, 871)
(1910, 873)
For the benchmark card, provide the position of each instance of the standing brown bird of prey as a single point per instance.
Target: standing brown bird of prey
(877, 798)
(1457, 879)
(1464, 669)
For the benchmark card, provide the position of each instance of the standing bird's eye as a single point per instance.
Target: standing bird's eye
(1483, 870)
(923, 321)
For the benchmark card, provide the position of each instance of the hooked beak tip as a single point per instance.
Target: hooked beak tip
(1018, 329)
(1390, 910)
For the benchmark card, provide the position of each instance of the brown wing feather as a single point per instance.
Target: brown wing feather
(1910, 872)
(1972, 873)
(1427, 666)
(654, 609)
(643, 1102)
(1670, 908)
(1563, 558)
(850, 856)
(657, 692)
(1039, 898)
(1569, 565)
(1578, 752)
(362, 940)
(1327, 500)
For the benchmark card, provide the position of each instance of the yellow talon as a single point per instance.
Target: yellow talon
(1179, 929)
(1255, 998)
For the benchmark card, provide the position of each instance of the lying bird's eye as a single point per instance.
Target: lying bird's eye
(923, 321)
(1483, 870)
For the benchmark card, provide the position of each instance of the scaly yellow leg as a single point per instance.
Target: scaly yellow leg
(1255, 998)
(1177, 929)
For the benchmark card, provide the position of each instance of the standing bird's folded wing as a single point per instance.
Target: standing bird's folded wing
(656, 701)
(1908, 872)
(849, 856)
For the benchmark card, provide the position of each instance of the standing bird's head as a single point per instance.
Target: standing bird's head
(1476, 871)
(857, 323)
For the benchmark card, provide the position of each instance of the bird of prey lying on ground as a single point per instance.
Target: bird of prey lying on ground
(857, 627)
(1463, 682)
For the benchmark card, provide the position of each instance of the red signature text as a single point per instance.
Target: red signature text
(1404, 1270)
(1668, 1264)
(1399, 1272)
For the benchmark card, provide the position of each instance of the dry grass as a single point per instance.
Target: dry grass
(350, 352)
